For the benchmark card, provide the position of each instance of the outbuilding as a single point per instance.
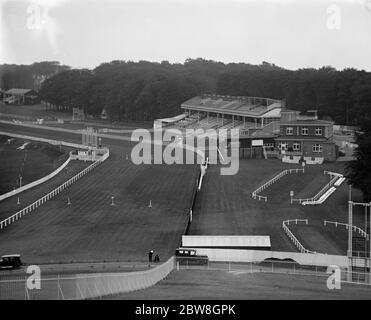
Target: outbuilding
(20, 96)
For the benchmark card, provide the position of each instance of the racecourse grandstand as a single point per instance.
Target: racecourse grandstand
(225, 112)
(266, 127)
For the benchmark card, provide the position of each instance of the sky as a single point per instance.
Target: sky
(289, 33)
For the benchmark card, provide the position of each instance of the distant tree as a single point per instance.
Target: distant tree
(67, 89)
(359, 170)
(28, 76)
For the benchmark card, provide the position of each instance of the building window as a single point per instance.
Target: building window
(282, 146)
(317, 148)
(296, 146)
(304, 131)
(318, 131)
(289, 130)
(269, 146)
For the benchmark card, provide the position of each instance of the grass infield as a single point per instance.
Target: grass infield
(34, 161)
(214, 285)
(225, 205)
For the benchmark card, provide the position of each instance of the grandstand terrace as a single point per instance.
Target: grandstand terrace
(235, 111)
(226, 112)
(266, 127)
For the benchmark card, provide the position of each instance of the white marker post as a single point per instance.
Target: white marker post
(68, 201)
(150, 204)
(291, 195)
(112, 201)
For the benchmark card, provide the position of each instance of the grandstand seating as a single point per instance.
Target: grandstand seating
(192, 122)
(205, 123)
(231, 125)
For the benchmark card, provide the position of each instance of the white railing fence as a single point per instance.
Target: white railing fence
(18, 215)
(285, 226)
(85, 286)
(355, 228)
(255, 194)
(335, 177)
(35, 183)
(203, 172)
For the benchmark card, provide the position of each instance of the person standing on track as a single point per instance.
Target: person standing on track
(150, 255)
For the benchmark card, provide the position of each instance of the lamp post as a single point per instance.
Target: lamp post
(351, 204)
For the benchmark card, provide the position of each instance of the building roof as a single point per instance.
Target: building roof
(303, 138)
(310, 122)
(11, 256)
(291, 110)
(240, 106)
(18, 91)
(226, 241)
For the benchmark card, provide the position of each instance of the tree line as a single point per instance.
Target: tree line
(147, 90)
(28, 76)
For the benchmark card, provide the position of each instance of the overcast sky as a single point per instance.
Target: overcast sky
(85, 33)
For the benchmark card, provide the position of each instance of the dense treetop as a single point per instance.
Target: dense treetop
(146, 90)
(28, 76)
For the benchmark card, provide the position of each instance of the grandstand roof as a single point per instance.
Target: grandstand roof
(241, 106)
(18, 91)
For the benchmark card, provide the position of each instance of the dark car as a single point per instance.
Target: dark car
(10, 261)
(187, 256)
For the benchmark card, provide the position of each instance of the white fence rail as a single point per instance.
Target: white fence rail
(35, 183)
(54, 173)
(203, 172)
(6, 222)
(292, 237)
(255, 194)
(314, 199)
(53, 142)
(85, 286)
(355, 228)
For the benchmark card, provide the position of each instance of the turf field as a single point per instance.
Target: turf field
(129, 229)
(214, 285)
(9, 206)
(34, 161)
(225, 206)
(91, 229)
